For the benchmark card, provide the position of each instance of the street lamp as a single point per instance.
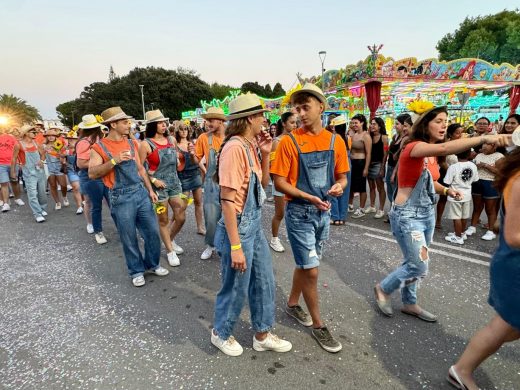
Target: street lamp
(322, 54)
(142, 98)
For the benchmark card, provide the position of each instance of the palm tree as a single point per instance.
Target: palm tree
(17, 111)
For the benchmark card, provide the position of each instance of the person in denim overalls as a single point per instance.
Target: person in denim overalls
(212, 211)
(246, 265)
(70, 160)
(130, 203)
(412, 215)
(54, 167)
(160, 153)
(32, 168)
(504, 290)
(318, 175)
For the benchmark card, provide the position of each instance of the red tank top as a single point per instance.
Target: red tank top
(410, 168)
(153, 158)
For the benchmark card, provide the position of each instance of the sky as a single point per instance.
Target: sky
(50, 50)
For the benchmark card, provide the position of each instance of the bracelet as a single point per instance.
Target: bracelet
(153, 180)
(445, 191)
(236, 247)
(113, 162)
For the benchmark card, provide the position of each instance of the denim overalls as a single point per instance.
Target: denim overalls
(190, 175)
(166, 171)
(131, 208)
(35, 181)
(308, 227)
(211, 202)
(413, 224)
(53, 164)
(258, 279)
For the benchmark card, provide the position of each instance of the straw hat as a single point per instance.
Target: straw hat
(89, 122)
(52, 132)
(214, 113)
(154, 116)
(339, 120)
(313, 90)
(25, 128)
(245, 105)
(417, 119)
(113, 114)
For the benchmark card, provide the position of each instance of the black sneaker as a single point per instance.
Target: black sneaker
(299, 315)
(325, 339)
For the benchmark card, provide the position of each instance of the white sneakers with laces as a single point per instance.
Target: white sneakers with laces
(100, 238)
(177, 248)
(489, 236)
(40, 219)
(276, 245)
(230, 347)
(66, 202)
(44, 213)
(207, 253)
(454, 239)
(271, 343)
(379, 214)
(58, 206)
(370, 209)
(90, 228)
(470, 231)
(79, 210)
(173, 259)
(359, 213)
(6, 207)
(160, 271)
(138, 281)
(19, 202)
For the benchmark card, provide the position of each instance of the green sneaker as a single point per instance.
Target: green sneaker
(325, 339)
(299, 315)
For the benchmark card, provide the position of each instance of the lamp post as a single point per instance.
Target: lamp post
(142, 98)
(322, 54)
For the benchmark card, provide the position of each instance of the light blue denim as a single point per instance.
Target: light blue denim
(211, 200)
(413, 224)
(35, 183)
(96, 191)
(257, 282)
(339, 206)
(391, 188)
(166, 172)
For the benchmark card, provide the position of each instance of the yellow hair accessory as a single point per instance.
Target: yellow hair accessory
(420, 106)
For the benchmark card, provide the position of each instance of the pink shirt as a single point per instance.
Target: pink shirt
(83, 149)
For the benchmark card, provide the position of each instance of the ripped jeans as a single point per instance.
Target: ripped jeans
(413, 229)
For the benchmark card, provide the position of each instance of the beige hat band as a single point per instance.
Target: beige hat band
(157, 119)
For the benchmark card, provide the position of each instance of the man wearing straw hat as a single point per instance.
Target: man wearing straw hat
(206, 149)
(115, 159)
(309, 168)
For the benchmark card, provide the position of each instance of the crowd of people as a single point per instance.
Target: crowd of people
(426, 169)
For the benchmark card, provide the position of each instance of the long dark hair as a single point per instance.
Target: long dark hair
(382, 127)
(452, 129)
(92, 134)
(283, 120)
(509, 166)
(341, 130)
(151, 129)
(362, 119)
(420, 128)
(235, 127)
(404, 118)
(503, 129)
(177, 135)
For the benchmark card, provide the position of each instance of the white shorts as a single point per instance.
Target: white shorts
(458, 210)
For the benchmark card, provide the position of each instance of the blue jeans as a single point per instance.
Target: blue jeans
(212, 209)
(257, 282)
(390, 187)
(96, 191)
(132, 210)
(413, 229)
(339, 209)
(35, 183)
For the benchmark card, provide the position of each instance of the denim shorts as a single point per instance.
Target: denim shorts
(4, 173)
(73, 176)
(167, 193)
(191, 181)
(485, 189)
(307, 229)
(374, 171)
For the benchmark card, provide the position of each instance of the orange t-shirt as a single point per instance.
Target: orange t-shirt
(40, 138)
(202, 146)
(285, 163)
(234, 170)
(114, 147)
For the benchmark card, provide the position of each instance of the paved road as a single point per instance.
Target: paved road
(70, 317)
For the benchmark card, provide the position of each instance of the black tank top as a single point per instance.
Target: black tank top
(392, 151)
(377, 151)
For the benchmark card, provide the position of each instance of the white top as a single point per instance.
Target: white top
(490, 159)
(459, 177)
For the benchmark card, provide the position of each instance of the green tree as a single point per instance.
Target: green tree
(220, 91)
(17, 110)
(253, 88)
(494, 38)
(278, 90)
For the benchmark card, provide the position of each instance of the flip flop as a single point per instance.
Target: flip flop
(423, 315)
(454, 379)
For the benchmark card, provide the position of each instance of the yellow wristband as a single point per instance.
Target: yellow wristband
(236, 247)
(153, 180)
(113, 162)
(446, 189)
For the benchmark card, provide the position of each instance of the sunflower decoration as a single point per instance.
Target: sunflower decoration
(159, 208)
(75, 128)
(420, 106)
(287, 99)
(99, 119)
(71, 134)
(188, 200)
(58, 145)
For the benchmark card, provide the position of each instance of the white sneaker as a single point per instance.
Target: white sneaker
(69, 188)
(44, 213)
(19, 202)
(271, 343)
(370, 209)
(276, 245)
(138, 281)
(40, 219)
(79, 210)
(470, 231)
(177, 248)
(58, 206)
(6, 207)
(359, 213)
(161, 271)
(207, 253)
(66, 202)
(454, 239)
(350, 208)
(100, 238)
(230, 347)
(1, 203)
(464, 235)
(90, 228)
(379, 214)
(173, 259)
(489, 236)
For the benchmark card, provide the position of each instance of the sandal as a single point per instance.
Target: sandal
(454, 379)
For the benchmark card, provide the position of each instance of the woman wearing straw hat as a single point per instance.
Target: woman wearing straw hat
(54, 151)
(69, 160)
(93, 190)
(159, 151)
(247, 270)
(32, 157)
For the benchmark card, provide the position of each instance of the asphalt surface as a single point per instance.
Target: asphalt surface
(71, 319)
